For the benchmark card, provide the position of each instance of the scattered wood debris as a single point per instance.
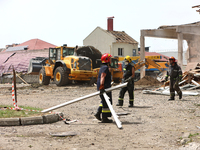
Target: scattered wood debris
(190, 81)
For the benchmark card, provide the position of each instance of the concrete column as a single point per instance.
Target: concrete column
(142, 55)
(180, 49)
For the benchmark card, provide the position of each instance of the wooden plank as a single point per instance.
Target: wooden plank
(21, 79)
(197, 84)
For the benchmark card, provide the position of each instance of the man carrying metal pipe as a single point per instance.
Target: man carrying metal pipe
(129, 73)
(104, 82)
(175, 73)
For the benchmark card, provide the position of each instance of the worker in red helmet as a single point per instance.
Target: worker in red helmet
(104, 82)
(175, 74)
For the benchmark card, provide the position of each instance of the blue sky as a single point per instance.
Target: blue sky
(70, 21)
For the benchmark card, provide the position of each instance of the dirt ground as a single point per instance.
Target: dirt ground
(154, 123)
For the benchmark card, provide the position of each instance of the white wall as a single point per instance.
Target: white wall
(106, 43)
(128, 48)
(100, 40)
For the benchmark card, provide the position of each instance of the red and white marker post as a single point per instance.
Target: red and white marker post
(14, 91)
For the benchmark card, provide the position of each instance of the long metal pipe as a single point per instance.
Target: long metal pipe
(84, 97)
(117, 121)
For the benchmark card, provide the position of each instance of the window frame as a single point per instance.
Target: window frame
(120, 51)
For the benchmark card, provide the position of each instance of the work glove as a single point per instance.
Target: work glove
(177, 82)
(180, 78)
(129, 79)
(101, 88)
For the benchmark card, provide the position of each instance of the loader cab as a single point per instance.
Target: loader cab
(114, 63)
(54, 54)
(67, 51)
(59, 53)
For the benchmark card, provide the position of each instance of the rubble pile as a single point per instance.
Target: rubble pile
(190, 81)
(147, 80)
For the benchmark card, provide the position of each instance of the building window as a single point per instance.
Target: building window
(134, 52)
(120, 51)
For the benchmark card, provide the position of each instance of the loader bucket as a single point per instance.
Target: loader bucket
(36, 64)
(92, 53)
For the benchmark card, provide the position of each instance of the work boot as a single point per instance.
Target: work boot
(120, 103)
(130, 105)
(106, 120)
(171, 99)
(180, 95)
(98, 116)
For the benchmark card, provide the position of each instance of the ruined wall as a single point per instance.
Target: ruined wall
(28, 78)
(193, 51)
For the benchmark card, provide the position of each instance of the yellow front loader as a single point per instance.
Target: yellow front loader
(63, 67)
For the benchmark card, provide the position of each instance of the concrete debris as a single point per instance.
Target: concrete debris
(63, 134)
(184, 141)
(198, 127)
(186, 135)
(123, 113)
(69, 122)
(190, 146)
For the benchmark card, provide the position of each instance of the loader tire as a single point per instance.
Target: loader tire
(61, 77)
(43, 79)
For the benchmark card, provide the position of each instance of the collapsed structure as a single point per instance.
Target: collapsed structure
(20, 55)
(189, 32)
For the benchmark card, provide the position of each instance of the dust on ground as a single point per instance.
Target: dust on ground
(154, 123)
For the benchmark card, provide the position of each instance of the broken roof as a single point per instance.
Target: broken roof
(19, 60)
(174, 26)
(33, 44)
(19, 56)
(122, 37)
(16, 48)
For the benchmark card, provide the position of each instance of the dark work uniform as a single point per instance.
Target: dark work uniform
(103, 107)
(175, 74)
(130, 86)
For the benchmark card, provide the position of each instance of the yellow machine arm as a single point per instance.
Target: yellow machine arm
(147, 62)
(138, 57)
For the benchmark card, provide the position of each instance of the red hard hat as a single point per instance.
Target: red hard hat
(105, 58)
(172, 58)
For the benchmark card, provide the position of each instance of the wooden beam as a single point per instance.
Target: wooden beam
(21, 79)
(197, 6)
